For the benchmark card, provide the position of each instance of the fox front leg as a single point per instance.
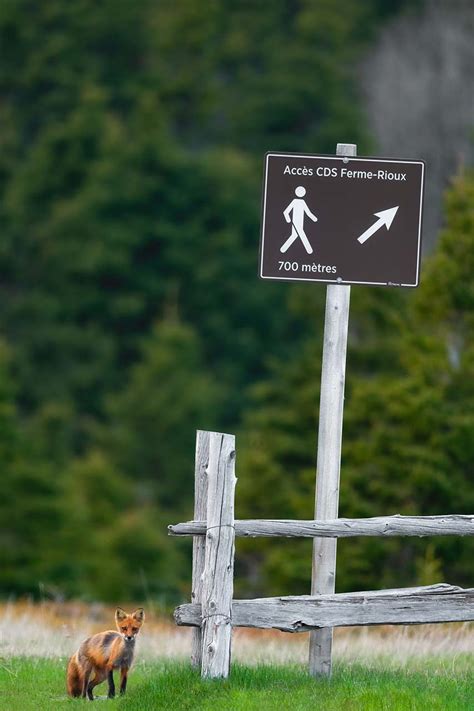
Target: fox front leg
(85, 683)
(90, 694)
(110, 679)
(123, 679)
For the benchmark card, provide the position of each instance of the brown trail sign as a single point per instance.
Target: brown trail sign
(341, 219)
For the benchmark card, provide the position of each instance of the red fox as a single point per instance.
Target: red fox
(102, 653)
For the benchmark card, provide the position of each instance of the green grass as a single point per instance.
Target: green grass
(39, 684)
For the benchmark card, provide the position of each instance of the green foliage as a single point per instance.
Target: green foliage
(154, 419)
(275, 72)
(130, 158)
(116, 543)
(29, 512)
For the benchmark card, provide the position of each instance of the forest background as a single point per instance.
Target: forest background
(132, 137)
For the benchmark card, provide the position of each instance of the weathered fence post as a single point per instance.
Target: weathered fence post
(218, 579)
(199, 542)
(329, 452)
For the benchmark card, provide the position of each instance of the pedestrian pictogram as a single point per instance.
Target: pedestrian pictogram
(295, 213)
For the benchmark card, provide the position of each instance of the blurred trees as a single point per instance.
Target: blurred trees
(131, 144)
(150, 432)
(29, 511)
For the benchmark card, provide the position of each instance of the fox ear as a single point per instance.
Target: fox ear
(120, 614)
(139, 615)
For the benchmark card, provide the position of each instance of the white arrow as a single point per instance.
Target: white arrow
(385, 218)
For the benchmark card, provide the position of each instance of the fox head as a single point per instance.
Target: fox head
(129, 625)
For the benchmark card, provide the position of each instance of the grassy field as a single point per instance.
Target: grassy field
(425, 668)
(38, 684)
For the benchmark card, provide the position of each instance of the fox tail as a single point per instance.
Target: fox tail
(73, 678)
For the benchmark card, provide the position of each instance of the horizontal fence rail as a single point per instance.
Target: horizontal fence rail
(449, 525)
(404, 606)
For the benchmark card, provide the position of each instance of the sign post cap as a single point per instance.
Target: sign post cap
(346, 149)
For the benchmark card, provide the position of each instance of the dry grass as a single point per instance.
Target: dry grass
(52, 630)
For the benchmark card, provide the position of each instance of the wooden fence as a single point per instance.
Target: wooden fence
(213, 612)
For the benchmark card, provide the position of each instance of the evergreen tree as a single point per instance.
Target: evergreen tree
(29, 509)
(152, 422)
(113, 544)
(130, 158)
